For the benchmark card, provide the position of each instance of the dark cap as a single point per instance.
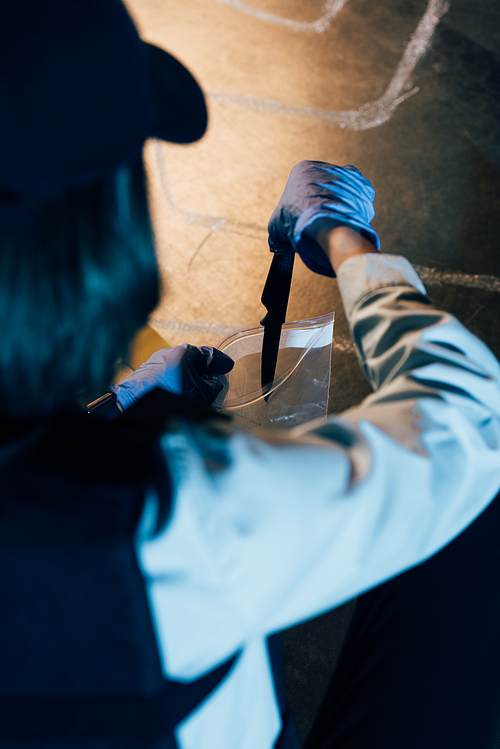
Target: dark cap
(80, 93)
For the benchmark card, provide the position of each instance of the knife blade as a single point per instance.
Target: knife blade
(275, 300)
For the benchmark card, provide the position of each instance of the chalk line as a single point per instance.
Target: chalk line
(431, 276)
(371, 114)
(211, 328)
(435, 277)
(214, 223)
(321, 24)
(342, 344)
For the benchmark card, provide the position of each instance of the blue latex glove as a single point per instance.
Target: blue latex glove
(315, 190)
(184, 370)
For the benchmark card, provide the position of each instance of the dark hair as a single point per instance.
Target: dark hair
(73, 293)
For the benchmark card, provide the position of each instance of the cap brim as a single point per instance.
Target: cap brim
(180, 103)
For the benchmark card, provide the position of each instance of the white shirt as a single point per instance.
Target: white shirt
(267, 532)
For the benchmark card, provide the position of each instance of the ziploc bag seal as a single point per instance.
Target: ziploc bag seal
(299, 392)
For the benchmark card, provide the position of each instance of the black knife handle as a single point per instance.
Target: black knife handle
(277, 288)
(275, 300)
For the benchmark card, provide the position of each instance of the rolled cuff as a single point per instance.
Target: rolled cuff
(362, 274)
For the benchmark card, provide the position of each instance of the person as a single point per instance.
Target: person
(148, 560)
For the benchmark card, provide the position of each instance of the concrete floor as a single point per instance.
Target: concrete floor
(406, 90)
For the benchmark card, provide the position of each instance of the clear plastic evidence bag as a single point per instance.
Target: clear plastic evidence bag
(299, 391)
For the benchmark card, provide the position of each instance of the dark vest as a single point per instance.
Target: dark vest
(79, 664)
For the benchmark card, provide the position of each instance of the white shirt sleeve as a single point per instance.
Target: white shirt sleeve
(269, 532)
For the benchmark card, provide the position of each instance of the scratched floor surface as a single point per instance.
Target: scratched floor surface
(408, 91)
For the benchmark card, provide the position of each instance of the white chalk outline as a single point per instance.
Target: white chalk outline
(332, 7)
(431, 276)
(340, 343)
(197, 327)
(214, 223)
(360, 119)
(436, 277)
(371, 114)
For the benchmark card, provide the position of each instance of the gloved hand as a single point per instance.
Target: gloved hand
(316, 190)
(184, 370)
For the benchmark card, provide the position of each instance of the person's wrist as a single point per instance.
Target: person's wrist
(343, 242)
(339, 241)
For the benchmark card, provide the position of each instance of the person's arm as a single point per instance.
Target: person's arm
(340, 242)
(318, 198)
(267, 532)
(185, 370)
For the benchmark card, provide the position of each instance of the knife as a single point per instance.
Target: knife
(275, 300)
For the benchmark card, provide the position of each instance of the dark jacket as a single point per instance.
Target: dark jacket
(79, 664)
